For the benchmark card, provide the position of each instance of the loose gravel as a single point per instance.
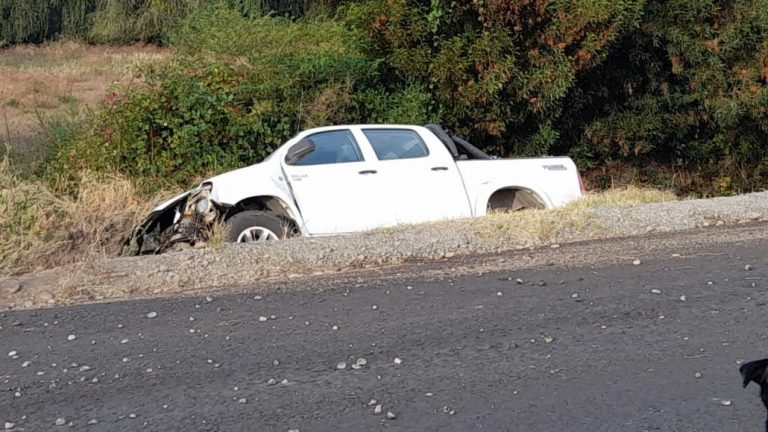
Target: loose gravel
(194, 270)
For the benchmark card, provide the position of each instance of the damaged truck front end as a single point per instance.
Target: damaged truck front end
(186, 218)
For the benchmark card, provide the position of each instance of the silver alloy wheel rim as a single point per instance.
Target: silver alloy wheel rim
(256, 234)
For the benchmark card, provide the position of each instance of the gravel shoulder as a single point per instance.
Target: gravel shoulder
(382, 251)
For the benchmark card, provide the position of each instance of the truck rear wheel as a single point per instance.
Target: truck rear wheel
(512, 200)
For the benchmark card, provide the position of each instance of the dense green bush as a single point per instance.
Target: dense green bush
(238, 88)
(643, 83)
(686, 88)
(498, 71)
(681, 83)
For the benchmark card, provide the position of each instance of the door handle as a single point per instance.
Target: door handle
(439, 168)
(366, 172)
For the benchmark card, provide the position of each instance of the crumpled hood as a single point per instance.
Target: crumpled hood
(227, 184)
(243, 181)
(170, 202)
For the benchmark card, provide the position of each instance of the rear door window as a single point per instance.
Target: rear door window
(394, 144)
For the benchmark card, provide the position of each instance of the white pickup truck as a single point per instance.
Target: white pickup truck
(343, 179)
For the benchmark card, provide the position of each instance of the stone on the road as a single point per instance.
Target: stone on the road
(61, 421)
(152, 315)
(9, 425)
(242, 400)
(13, 353)
(262, 318)
(683, 298)
(391, 415)
(92, 421)
(71, 337)
(655, 291)
(341, 365)
(377, 409)
(747, 267)
(637, 262)
(271, 382)
(725, 402)
(398, 361)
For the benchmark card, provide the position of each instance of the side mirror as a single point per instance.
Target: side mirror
(299, 151)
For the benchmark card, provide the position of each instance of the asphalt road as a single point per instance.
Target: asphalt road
(601, 348)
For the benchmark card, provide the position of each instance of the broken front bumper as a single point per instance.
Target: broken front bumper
(186, 218)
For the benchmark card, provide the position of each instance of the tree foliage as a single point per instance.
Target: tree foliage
(678, 83)
(687, 88)
(499, 70)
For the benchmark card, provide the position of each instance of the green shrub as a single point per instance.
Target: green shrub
(223, 101)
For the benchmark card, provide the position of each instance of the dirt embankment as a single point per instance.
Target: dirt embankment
(58, 79)
(610, 216)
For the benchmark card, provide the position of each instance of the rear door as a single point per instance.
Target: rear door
(332, 185)
(420, 179)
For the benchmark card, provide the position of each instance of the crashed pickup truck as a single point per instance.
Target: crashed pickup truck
(344, 179)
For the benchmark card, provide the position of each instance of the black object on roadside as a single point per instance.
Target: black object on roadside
(757, 372)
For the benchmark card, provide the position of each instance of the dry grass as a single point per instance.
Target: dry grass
(40, 229)
(55, 77)
(559, 225)
(623, 197)
(216, 235)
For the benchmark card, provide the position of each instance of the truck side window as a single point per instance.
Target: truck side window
(330, 148)
(391, 144)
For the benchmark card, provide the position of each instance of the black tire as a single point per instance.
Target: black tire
(282, 228)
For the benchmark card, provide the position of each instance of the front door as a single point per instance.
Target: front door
(333, 185)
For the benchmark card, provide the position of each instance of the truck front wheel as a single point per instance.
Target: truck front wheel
(256, 226)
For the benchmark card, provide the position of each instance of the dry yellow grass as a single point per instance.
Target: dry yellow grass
(216, 235)
(623, 197)
(40, 229)
(561, 224)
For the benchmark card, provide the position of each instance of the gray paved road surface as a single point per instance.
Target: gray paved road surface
(651, 347)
